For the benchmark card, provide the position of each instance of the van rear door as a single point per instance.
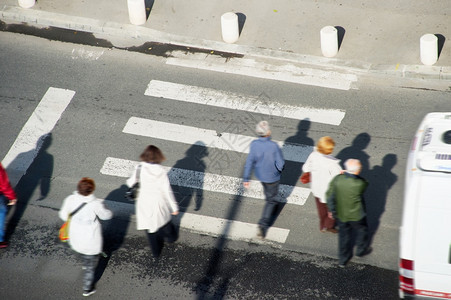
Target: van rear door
(432, 263)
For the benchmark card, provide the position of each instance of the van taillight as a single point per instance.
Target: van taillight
(406, 280)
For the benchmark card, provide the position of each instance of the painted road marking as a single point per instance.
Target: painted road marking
(210, 138)
(217, 98)
(212, 226)
(30, 139)
(209, 182)
(86, 54)
(259, 69)
(231, 229)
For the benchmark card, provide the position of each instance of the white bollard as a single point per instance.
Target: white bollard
(230, 28)
(329, 41)
(136, 11)
(429, 49)
(26, 3)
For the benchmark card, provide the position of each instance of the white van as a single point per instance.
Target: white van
(425, 233)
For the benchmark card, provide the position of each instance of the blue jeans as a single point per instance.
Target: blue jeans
(345, 239)
(271, 190)
(3, 212)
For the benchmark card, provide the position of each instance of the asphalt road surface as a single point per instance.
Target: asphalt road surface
(38, 266)
(108, 90)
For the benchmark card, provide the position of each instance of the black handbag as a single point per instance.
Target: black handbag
(132, 193)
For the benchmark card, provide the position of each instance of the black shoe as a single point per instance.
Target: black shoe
(366, 252)
(343, 264)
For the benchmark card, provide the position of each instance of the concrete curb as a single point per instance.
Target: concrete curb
(413, 71)
(13, 14)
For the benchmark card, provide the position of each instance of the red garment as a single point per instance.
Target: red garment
(324, 221)
(5, 187)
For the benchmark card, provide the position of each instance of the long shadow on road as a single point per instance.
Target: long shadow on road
(114, 232)
(37, 176)
(255, 272)
(214, 264)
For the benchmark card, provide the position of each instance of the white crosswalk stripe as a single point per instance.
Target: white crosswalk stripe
(30, 139)
(259, 69)
(236, 230)
(209, 182)
(212, 97)
(86, 54)
(213, 226)
(216, 226)
(213, 139)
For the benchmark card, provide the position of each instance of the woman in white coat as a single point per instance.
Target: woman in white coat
(155, 202)
(85, 230)
(323, 167)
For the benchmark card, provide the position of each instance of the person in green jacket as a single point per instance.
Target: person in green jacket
(346, 205)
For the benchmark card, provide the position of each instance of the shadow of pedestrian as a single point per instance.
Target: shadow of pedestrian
(276, 212)
(381, 179)
(204, 285)
(293, 168)
(193, 188)
(214, 285)
(224, 274)
(114, 230)
(360, 142)
(37, 175)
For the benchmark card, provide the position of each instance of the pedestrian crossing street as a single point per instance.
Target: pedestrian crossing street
(200, 136)
(233, 229)
(56, 100)
(208, 182)
(211, 226)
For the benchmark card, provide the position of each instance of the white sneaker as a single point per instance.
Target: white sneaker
(89, 293)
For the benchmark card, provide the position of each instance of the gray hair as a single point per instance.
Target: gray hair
(353, 165)
(262, 128)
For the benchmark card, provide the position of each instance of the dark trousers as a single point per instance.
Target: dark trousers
(345, 239)
(166, 233)
(324, 221)
(271, 190)
(89, 265)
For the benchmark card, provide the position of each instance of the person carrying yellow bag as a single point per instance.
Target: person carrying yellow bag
(85, 230)
(64, 230)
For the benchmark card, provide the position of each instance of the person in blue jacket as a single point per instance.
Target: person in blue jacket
(265, 156)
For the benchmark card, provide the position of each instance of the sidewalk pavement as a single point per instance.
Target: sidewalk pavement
(380, 37)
